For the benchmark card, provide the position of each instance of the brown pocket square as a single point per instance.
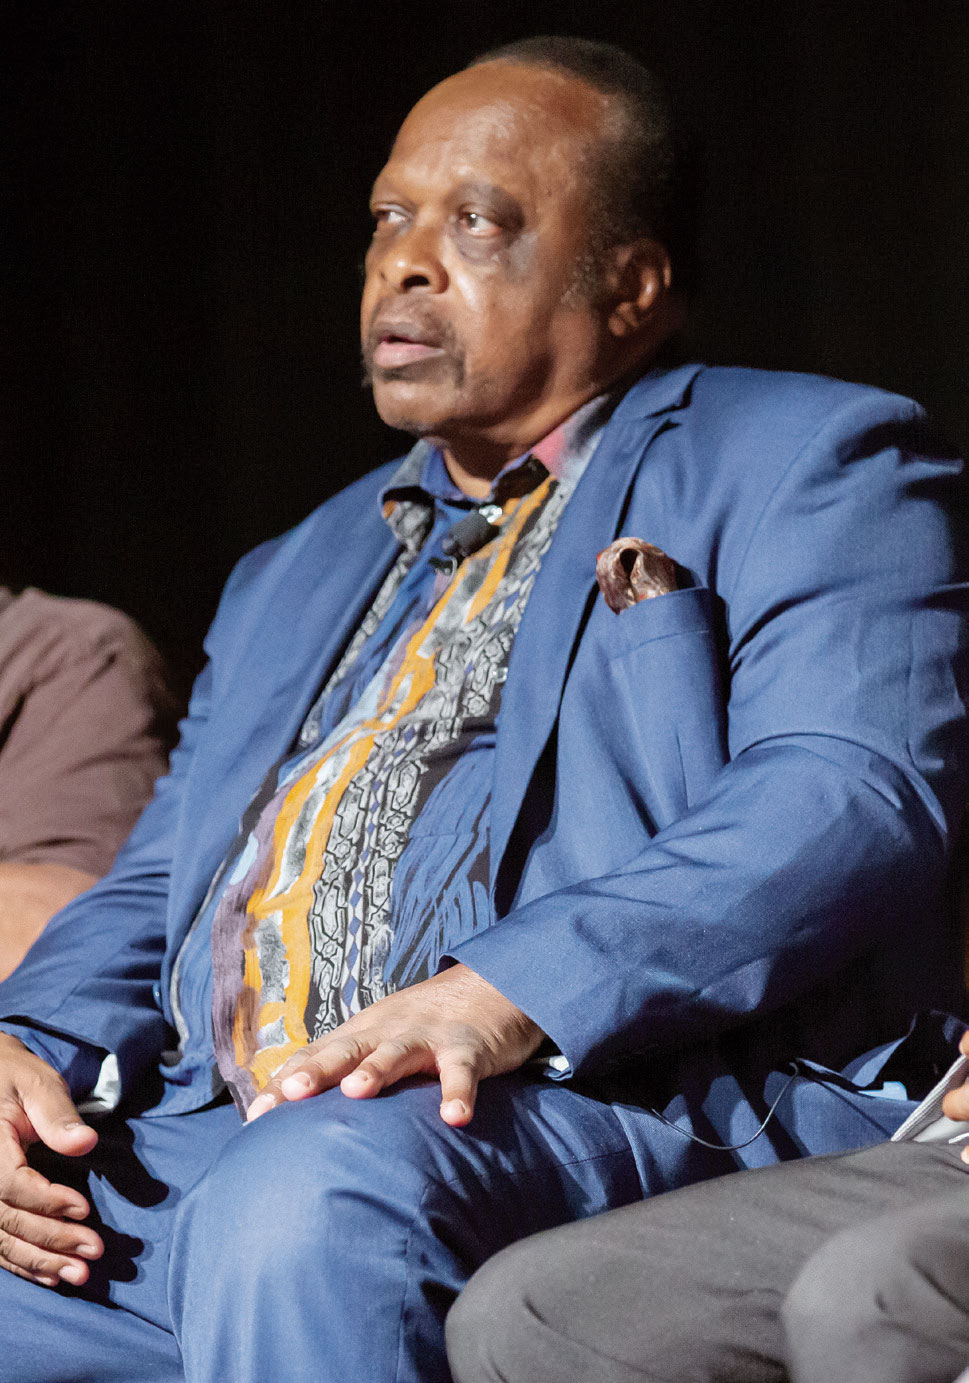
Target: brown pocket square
(630, 570)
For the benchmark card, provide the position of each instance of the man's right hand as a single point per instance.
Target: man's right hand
(40, 1237)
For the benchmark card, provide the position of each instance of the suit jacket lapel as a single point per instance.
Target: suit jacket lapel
(563, 592)
(297, 626)
(308, 630)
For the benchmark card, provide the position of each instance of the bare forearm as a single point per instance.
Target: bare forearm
(30, 894)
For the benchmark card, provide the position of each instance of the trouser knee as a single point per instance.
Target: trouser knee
(835, 1294)
(298, 1181)
(856, 1289)
(486, 1325)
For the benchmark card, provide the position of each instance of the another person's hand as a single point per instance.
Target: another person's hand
(956, 1103)
(40, 1237)
(454, 1025)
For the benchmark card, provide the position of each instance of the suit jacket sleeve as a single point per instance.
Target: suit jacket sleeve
(828, 826)
(95, 981)
(91, 975)
(89, 984)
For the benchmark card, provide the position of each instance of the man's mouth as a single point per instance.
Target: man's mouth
(397, 339)
(397, 348)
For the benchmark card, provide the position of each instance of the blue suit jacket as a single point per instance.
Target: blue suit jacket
(720, 819)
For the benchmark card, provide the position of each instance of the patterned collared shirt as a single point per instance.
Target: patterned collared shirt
(365, 855)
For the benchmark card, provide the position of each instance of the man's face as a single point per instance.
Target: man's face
(470, 332)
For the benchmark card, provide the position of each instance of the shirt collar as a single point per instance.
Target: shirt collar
(422, 477)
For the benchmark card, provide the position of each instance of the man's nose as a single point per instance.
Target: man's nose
(413, 262)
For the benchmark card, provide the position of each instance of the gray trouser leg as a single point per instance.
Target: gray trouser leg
(886, 1300)
(685, 1288)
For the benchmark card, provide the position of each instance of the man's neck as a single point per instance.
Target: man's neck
(473, 474)
(474, 463)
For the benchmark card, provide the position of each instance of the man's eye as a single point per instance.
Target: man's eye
(478, 224)
(387, 216)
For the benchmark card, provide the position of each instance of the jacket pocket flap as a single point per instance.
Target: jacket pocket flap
(663, 617)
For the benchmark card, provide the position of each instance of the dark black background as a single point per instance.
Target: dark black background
(187, 185)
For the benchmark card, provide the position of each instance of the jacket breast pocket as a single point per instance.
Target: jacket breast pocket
(655, 674)
(678, 614)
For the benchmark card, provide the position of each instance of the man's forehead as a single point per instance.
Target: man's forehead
(506, 112)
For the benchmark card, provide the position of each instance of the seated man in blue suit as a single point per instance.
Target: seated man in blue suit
(445, 827)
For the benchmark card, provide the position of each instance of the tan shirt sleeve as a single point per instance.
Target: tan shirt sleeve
(86, 722)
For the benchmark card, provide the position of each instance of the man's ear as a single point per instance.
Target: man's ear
(642, 288)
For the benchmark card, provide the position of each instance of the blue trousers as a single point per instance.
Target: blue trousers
(327, 1240)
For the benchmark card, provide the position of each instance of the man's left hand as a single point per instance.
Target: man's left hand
(454, 1025)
